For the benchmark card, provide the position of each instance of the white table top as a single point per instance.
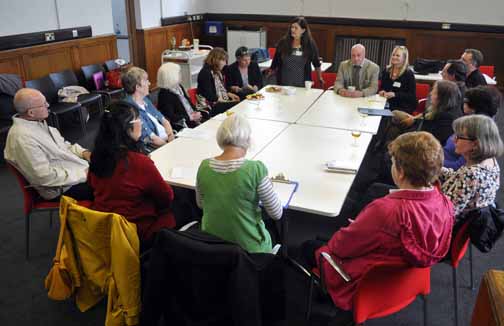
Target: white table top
(266, 64)
(300, 152)
(278, 106)
(186, 152)
(335, 111)
(435, 77)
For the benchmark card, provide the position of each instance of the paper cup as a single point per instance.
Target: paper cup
(308, 84)
(196, 44)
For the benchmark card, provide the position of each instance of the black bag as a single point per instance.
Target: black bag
(486, 227)
(427, 66)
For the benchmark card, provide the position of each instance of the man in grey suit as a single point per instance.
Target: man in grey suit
(358, 76)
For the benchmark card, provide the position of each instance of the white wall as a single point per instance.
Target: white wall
(28, 16)
(119, 16)
(148, 12)
(486, 12)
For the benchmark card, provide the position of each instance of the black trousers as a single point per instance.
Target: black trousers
(81, 191)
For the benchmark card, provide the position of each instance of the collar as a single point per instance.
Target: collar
(413, 194)
(18, 120)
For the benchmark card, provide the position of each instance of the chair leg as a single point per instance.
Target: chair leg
(455, 294)
(471, 266)
(27, 236)
(310, 299)
(425, 313)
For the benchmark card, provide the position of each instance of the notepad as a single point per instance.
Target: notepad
(341, 166)
(285, 191)
(378, 112)
(194, 134)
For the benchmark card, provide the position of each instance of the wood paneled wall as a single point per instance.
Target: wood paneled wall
(38, 61)
(153, 41)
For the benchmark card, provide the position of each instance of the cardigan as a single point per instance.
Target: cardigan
(137, 191)
(206, 84)
(234, 77)
(312, 58)
(407, 226)
(404, 89)
(171, 107)
(148, 127)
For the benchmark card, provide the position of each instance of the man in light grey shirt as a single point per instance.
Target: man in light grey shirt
(39, 152)
(358, 76)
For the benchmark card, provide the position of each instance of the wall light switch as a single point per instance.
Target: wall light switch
(75, 33)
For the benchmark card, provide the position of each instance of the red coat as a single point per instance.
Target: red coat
(405, 226)
(137, 191)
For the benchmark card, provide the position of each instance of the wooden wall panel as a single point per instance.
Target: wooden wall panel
(38, 61)
(153, 41)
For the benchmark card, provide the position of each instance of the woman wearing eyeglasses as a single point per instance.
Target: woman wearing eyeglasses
(475, 184)
(125, 181)
(398, 82)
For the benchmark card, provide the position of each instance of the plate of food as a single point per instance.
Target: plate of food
(255, 97)
(273, 89)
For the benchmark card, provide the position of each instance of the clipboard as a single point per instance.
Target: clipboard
(285, 190)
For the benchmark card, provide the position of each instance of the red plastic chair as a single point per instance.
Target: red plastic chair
(192, 95)
(422, 92)
(488, 70)
(271, 52)
(401, 282)
(33, 203)
(329, 79)
(460, 244)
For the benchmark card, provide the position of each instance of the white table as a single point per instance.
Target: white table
(335, 111)
(266, 64)
(300, 152)
(278, 106)
(431, 78)
(186, 152)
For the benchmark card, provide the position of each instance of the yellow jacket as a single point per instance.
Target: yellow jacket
(100, 251)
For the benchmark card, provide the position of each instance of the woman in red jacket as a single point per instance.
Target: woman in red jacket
(125, 181)
(412, 224)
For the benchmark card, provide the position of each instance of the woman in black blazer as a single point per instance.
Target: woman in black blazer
(211, 83)
(243, 76)
(173, 101)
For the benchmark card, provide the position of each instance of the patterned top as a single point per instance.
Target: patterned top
(219, 86)
(470, 187)
(293, 73)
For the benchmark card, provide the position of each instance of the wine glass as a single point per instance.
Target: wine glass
(355, 134)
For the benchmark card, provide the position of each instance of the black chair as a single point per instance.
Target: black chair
(68, 78)
(46, 87)
(6, 112)
(88, 72)
(111, 65)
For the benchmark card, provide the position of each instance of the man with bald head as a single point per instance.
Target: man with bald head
(49, 163)
(358, 76)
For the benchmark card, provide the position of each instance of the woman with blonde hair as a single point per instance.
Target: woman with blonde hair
(211, 83)
(398, 82)
(173, 101)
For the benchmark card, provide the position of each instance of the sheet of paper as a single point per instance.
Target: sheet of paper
(284, 191)
(179, 172)
(195, 134)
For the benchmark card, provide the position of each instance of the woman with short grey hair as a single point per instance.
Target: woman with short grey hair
(475, 184)
(156, 129)
(173, 101)
(230, 187)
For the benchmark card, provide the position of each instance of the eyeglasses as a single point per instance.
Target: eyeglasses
(45, 105)
(460, 137)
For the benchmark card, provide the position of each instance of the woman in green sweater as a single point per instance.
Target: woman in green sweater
(229, 188)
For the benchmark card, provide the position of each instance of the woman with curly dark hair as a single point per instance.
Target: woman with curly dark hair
(126, 181)
(295, 53)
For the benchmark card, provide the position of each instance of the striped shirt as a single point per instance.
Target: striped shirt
(267, 194)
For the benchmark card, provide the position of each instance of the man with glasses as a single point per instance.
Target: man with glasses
(358, 76)
(39, 152)
(473, 59)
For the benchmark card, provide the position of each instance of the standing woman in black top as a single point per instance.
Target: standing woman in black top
(294, 55)
(398, 82)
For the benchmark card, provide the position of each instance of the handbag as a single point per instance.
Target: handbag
(59, 282)
(114, 79)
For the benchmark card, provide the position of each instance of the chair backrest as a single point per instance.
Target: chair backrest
(46, 87)
(460, 243)
(401, 283)
(88, 72)
(7, 109)
(64, 78)
(422, 91)
(329, 79)
(271, 52)
(488, 70)
(110, 65)
(98, 80)
(29, 193)
(192, 92)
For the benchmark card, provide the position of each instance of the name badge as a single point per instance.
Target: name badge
(396, 84)
(298, 53)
